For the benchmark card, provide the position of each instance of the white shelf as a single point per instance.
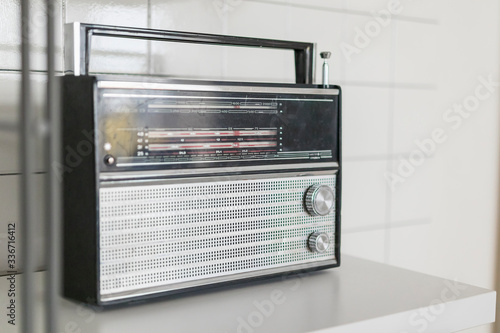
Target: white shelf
(360, 296)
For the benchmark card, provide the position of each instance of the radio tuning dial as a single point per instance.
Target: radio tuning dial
(319, 200)
(318, 242)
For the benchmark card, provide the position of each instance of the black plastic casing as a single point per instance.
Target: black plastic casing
(80, 173)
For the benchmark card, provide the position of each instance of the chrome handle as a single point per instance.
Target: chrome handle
(78, 42)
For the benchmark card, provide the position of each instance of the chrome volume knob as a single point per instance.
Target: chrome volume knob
(319, 200)
(318, 242)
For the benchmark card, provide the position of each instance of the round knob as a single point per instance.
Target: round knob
(109, 160)
(318, 242)
(319, 200)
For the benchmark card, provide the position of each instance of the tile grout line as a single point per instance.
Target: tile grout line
(372, 84)
(289, 20)
(149, 43)
(18, 71)
(351, 12)
(343, 32)
(288, 29)
(63, 21)
(382, 157)
(394, 225)
(390, 142)
(225, 31)
(18, 173)
(397, 85)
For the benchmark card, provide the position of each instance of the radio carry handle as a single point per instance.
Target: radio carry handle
(78, 43)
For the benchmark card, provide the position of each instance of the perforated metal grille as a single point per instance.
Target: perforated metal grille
(165, 234)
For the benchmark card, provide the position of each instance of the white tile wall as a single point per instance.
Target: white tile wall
(255, 64)
(366, 7)
(9, 206)
(411, 200)
(10, 38)
(366, 127)
(187, 60)
(417, 52)
(327, 34)
(416, 116)
(241, 20)
(319, 5)
(113, 55)
(364, 207)
(443, 219)
(425, 9)
(373, 244)
(407, 249)
(10, 84)
(365, 58)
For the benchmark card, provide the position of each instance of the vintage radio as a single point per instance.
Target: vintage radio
(172, 186)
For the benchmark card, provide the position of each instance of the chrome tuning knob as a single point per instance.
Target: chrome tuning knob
(318, 242)
(319, 200)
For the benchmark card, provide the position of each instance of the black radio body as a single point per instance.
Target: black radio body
(172, 186)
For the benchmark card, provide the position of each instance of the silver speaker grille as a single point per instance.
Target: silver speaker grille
(162, 235)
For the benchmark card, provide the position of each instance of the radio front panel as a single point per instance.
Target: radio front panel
(176, 127)
(163, 237)
(193, 185)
